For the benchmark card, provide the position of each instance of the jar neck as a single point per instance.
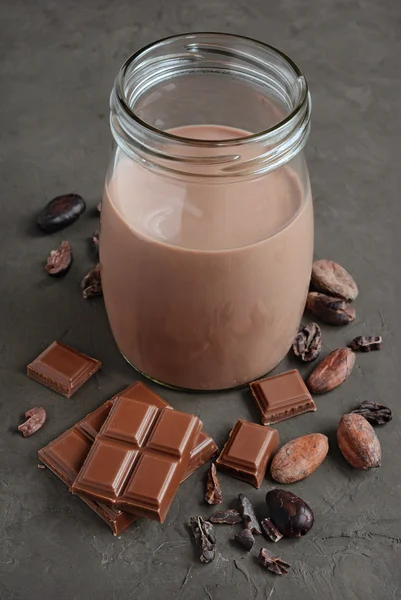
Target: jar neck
(148, 77)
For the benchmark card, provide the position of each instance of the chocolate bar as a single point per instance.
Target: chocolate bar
(281, 397)
(138, 458)
(66, 454)
(248, 451)
(62, 369)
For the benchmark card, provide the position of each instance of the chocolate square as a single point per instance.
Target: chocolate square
(281, 397)
(62, 369)
(248, 451)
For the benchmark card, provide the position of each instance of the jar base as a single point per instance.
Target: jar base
(194, 390)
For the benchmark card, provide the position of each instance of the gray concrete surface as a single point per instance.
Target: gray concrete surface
(58, 61)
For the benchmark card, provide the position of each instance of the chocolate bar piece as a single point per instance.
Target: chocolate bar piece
(281, 397)
(248, 451)
(66, 454)
(62, 369)
(138, 458)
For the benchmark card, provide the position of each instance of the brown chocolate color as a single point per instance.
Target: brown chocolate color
(139, 457)
(281, 397)
(62, 369)
(66, 454)
(248, 451)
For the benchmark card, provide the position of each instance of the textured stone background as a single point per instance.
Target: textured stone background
(58, 61)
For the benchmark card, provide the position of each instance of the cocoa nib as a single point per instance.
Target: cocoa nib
(91, 284)
(205, 539)
(331, 278)
(59, 261)
(213, 493)
(35, 419)
(308, 342)
(226, 517)
(60, 212)
(328, 309)
(245, 538)
(270, 531)
(376, 414)
(366, 343)
(331, 371)
(273, 563)
(248, 514)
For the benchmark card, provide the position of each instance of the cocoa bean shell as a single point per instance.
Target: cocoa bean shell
(330, 310)
(358, 442)
(332, 371)
(331, 278)
(299, 458)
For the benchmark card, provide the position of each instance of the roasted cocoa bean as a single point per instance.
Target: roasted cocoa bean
(376, 414)
(364, 343)
(358, 442)
(248, 514)
(245, 538)
(60, 212)
(298, 458)
(91, 284)
(308, 342)
(332, 279)
(36, 418)
(289, 513)
(331, 371)
(213, 493)
(59, 261)
(328, 309)
(273, 563)
(226, 517)
(270, 531)
(205, 539)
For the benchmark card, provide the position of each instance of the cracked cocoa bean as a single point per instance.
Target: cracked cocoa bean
(91, 284)
(273, 563)
(289, 513)
(308, 342)
(245, 538)
(328, 309)
(364, 343)
(376, 414)
(60, 212)
(59, 261)
(226, 517)
(35, 420)
(332, 371)
(205, 539)
(213, 493)
(248, 514)
(332, 279)
(270, 531)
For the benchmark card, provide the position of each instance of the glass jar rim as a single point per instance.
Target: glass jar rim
(239, 141)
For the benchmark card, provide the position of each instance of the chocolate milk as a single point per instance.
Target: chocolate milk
(204, 280)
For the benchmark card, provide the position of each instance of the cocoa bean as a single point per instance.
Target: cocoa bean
(331, 371)
(308, 342)
(358, 442)
(299, 458)
(332, 279)
(328, 309)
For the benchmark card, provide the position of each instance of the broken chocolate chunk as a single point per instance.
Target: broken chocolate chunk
(245, 538)
(366, 343)
(213, 493)
(248, 514)
(91, 284)
(226, 517)
(376, 414)
(59, 261)
(205, 539)
(35, 420)
(273, 563)
(270, 531)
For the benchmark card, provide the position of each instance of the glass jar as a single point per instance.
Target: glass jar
(207, 224)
